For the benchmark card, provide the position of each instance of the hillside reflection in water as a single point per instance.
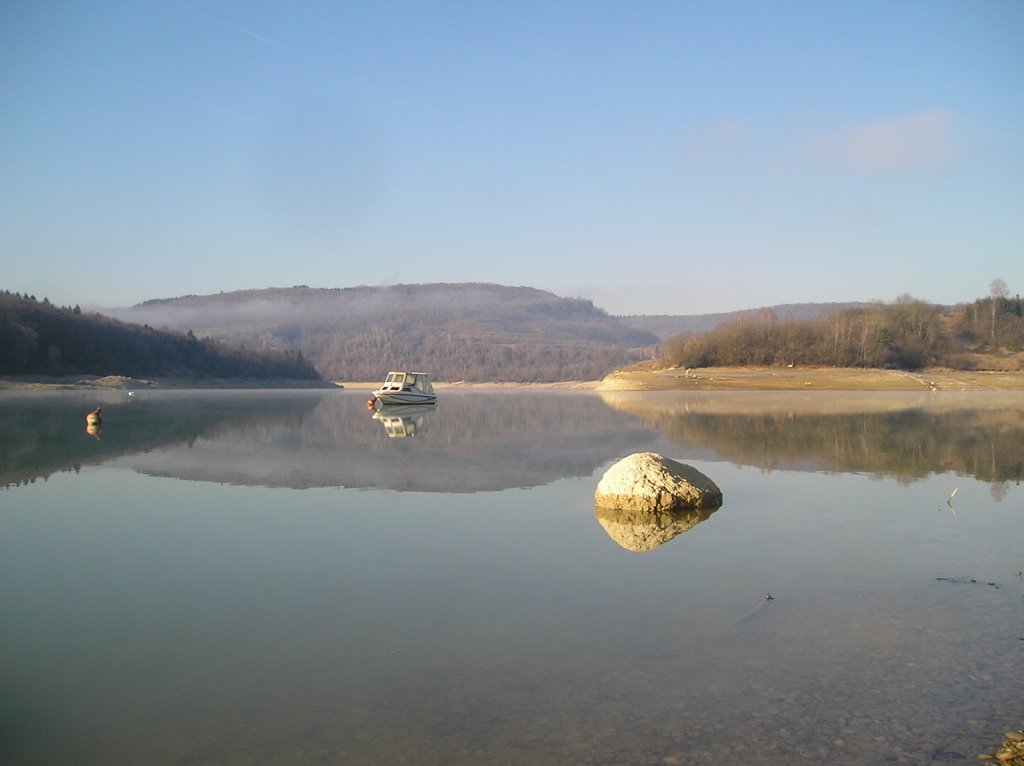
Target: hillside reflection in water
(908, 436)
(228, 578)
(467, 443)
(476, 441)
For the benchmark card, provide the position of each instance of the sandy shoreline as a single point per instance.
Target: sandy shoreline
(810, 379)
(675, 379)
(122, 383)
(118, 382)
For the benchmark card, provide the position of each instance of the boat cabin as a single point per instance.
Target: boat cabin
(405, 388)
(408, 382)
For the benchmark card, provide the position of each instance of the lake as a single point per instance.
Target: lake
(233, 577)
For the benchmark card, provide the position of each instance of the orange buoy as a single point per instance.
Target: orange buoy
(95, 417)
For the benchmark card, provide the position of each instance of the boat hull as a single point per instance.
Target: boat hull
(404, 397)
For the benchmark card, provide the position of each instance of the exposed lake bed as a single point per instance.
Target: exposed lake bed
(261, 577)
(644, 377)
(798, 378)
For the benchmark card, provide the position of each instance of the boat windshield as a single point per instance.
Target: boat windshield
(407, 381)
(421, 383)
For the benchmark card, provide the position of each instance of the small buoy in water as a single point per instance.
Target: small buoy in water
(95, 417)
(371, 403)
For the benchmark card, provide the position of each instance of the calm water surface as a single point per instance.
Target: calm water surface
(236, 578)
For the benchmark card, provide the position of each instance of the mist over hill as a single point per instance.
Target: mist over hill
(474, 332)
(456, 331)
(471, 332)
(38, 338)
(666, 326)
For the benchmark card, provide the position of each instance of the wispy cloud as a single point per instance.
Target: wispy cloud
(905, 144)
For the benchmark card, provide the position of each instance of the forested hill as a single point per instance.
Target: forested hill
(905, 334)
(39, 338)
(480, 332)
(470, 332)
(667, 326)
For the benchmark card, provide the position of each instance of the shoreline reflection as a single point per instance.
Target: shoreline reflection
(908, 437)
(474, 442)
(491, 441)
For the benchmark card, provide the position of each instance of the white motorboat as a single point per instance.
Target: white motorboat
(405, 388)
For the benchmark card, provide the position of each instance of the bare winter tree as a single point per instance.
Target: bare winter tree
(999, 291)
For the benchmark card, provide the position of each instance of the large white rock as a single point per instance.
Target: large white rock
(647, 481)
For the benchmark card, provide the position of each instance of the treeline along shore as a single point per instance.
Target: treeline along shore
(907, 334)
(39, 338)
(475, 334)
(907, 345)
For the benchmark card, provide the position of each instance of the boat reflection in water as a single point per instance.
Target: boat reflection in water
(402, 420)
(642, 531)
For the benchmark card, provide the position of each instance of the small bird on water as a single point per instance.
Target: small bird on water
(95, 416)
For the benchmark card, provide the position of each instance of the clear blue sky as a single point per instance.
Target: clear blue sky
(656, 157)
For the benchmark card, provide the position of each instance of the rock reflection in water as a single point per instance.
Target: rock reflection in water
(642, 531)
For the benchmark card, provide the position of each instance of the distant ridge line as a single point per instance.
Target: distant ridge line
(666, 326)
